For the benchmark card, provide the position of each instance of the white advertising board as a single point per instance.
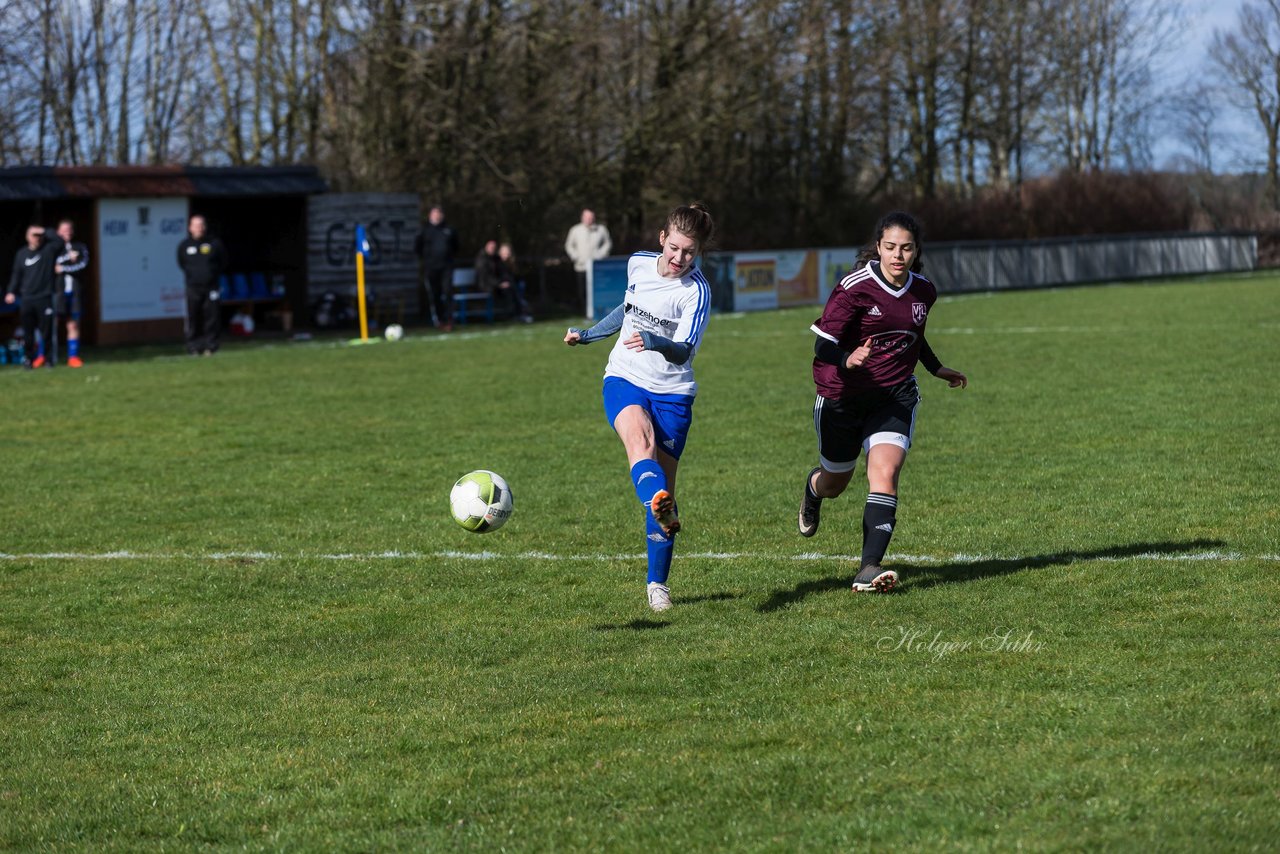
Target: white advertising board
(137, 258)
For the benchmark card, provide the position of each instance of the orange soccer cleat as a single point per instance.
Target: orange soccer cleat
(663, 507)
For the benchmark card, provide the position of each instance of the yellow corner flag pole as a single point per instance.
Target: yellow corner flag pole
(362, 246)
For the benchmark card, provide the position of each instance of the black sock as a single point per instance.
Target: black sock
(877, 526)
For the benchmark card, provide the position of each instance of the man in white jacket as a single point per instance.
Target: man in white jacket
(587, 241)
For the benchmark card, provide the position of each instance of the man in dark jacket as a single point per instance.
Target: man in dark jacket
(436, 247)
(202, 259)
(32, 284)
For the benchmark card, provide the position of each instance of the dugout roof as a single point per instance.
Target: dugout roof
(30, 183)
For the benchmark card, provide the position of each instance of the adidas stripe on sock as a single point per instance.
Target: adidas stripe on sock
(878, 519)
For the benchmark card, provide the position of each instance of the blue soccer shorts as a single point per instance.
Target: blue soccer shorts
(671, 414)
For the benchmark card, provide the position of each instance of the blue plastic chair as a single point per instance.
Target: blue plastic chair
(258, 286)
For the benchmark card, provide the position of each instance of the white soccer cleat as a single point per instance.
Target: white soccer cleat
(875, 579)
(659, 596)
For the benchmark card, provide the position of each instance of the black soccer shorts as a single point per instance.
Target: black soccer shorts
(854, 424)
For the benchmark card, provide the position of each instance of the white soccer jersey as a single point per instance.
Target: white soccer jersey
(673, 308)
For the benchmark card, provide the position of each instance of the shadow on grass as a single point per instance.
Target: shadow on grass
(645, 624)
(709, 597)
(633, 626)
(926, 576)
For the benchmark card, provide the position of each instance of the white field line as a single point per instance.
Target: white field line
(125, 555)
(1027, 330)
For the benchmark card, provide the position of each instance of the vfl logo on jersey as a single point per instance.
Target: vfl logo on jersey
(875, 311)
(918, 312)
(639, 312)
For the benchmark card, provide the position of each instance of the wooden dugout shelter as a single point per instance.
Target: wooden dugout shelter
(132, 218)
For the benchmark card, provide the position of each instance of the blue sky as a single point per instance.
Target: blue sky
(1241, 143)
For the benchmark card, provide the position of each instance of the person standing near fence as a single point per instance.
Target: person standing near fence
(436, 247)
(31, 284)
(869, 338)
(586, 242)
(202, 259)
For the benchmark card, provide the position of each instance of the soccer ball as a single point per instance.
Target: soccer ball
(481, 501)
(394, 332)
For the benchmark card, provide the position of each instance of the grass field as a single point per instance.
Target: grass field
(234, 612)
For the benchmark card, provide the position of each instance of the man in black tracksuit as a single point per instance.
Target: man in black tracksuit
(436, 247)
(202, 259)
(32, 283)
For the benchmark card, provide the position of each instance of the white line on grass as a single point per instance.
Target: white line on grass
(1027, 330)
(601, 557)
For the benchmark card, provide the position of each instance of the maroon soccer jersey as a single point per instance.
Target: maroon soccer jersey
(864, 305)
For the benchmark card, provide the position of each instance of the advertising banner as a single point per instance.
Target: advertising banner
(608, 285)
(138, 258)
(755, 281)
(834, 265)
(797, 274)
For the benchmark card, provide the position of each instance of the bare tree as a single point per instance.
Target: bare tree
(1103, 87)
(1011, 72)
(791, 117)
(223, 42)
(170, 95)
(1249, 59)
(1193, 117)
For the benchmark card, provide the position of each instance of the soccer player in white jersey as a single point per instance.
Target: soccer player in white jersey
(648, 381)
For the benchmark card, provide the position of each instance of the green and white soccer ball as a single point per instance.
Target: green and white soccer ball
(481, 501)
(394, 332)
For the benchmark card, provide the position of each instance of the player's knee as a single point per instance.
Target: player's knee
(832, 484)
(883, 478)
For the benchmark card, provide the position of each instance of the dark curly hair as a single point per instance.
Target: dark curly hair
(896, 219)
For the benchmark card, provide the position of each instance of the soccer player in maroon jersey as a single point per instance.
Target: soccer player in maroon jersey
(870, 336)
